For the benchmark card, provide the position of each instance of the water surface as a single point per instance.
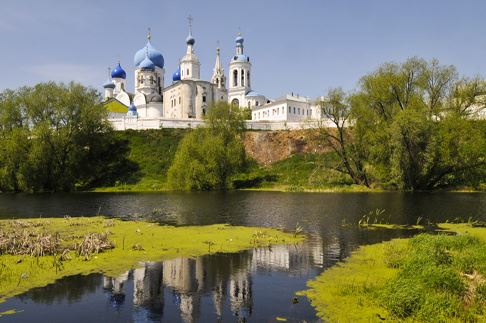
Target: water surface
(254, 285)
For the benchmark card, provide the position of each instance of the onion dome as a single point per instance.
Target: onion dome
(177, 75)
(154, 55)
(239, 40)
(190, 40)
(109, 85)
(252, 94)
(241, 58)
(147, 64)
(132, 110)
(118, 72)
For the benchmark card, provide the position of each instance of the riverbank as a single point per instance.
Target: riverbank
(285, 161)
(438, 278)
(36, 252)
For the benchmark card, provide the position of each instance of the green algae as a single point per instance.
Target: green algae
(134, 242)
(392, 280)
(9, 312)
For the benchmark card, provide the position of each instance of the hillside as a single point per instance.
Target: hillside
(284, 160)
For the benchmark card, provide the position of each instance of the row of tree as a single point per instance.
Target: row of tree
(55, 137)
(409, 126)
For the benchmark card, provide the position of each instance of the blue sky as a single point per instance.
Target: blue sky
(304, 46)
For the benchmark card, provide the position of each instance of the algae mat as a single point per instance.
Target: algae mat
(427, 278)
(37, 252)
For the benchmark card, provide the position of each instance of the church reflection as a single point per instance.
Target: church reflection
(252, 285)
(225, 280)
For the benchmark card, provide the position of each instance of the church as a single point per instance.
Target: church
(183, 100)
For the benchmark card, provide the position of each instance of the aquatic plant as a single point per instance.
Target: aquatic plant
(88, 247)
(427, 278)
(93, 243)
(377, 216)
(298, 229)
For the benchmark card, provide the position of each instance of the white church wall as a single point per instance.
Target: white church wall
(124, 123)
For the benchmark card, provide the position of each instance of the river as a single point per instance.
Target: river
(254, 285)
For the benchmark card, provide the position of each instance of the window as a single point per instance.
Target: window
(294, 110)
(242, 78)
(290, 110)
(187, 72)
(257, 103)
(204, 98)
(179, 100)
(235, 78)
(248, 78)
(248, 104)
(235, 102)
(298, 111)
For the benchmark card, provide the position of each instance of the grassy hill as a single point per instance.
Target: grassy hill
(153, 152)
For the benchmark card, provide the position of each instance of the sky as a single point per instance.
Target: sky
(299, 46)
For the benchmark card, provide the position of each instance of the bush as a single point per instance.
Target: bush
(208, 158)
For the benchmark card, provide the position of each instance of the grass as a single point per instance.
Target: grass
(153, 152)
(298, 173)
(111, 246)
(427, 278)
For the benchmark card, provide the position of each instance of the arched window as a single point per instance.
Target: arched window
(248, 78)
(187, 72)
(242, 78)
(235, 78)
(235, 102)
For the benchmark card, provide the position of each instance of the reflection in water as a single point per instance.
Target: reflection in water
(253, 285)
(225, 278)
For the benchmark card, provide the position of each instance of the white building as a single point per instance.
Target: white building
(185, 101)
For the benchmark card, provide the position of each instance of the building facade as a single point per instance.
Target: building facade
(186, 99)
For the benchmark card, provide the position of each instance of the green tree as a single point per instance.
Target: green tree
(413, 122)
(339, 136)
(208, 157)
(54, 137)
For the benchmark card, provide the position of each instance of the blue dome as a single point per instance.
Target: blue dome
(118, 72)
(252, 94)
(177, 75)
(190, 40)
(132, 110)
(147, 64)
(154, 55)
(109, 85)
(239, 40)
(240, 58)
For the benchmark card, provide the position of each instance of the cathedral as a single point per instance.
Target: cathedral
(186, 97)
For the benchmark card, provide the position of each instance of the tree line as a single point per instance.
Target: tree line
(410, 126)
(55, 137)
